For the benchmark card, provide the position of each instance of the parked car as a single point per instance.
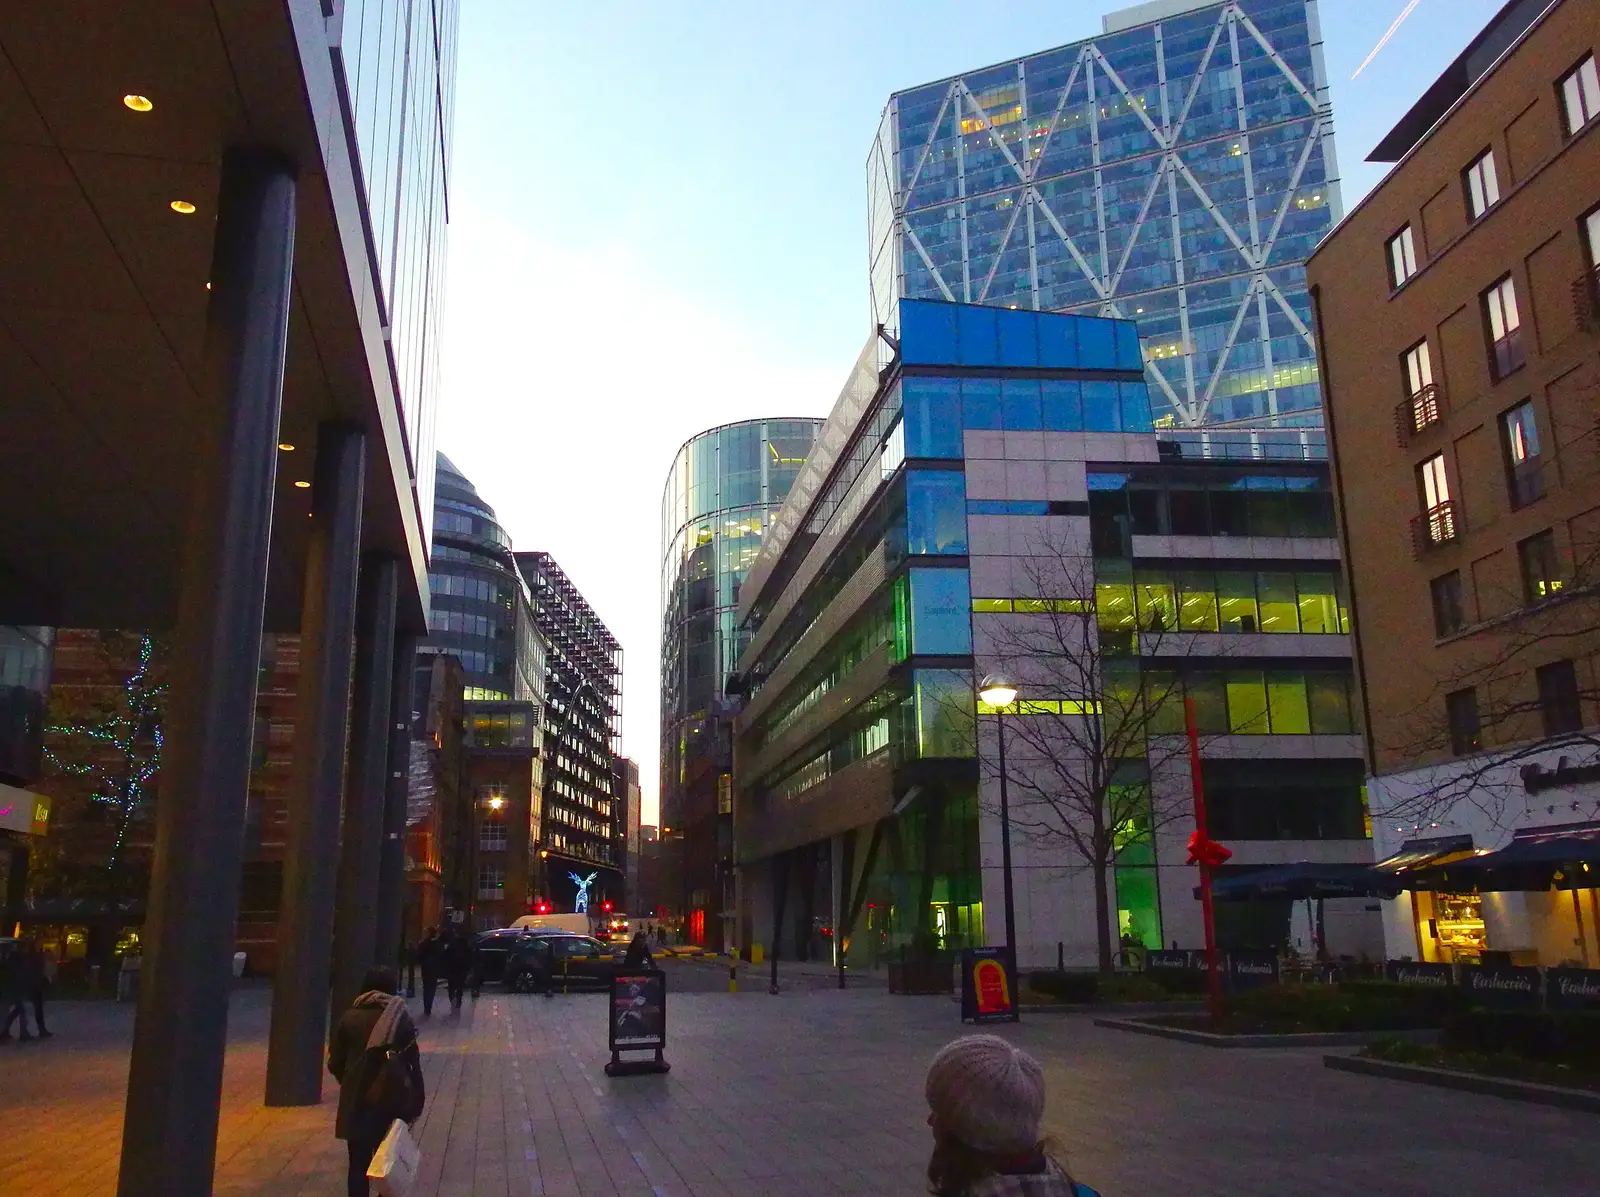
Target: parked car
(490, 949)
(558, 956)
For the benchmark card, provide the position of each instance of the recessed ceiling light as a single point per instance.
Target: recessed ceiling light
(303, 485)
(286, 446)
(183, 206)
(137, 103)
(208, 286)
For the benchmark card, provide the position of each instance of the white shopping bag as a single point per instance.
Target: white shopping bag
(394, 1167)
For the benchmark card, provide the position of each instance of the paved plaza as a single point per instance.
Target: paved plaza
(812, 1092)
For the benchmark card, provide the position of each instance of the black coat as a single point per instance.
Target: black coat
(457, 958)
(354, 1066)
(430, 956)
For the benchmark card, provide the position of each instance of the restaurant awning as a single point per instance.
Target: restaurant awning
(1565, 856)
(1420, 853)
(1303, 880)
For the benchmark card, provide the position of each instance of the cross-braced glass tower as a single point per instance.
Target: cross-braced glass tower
(1176, 171)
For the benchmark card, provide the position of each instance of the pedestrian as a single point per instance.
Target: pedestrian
(661, 935)
(430, 959)
(638, 954)
(457, 964)
(38, 970)
(985, 1102)
(13, 990)
(374, 1055)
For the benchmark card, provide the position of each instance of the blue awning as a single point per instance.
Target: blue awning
(1566, 856)
(1303, 880)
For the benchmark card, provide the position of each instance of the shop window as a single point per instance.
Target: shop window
(1280, 608)
(1236, 602)
(1449, 615)
(1504, 327)
(1461, 714)
(1328, 698)
(1541, 573)
(1580, 95)
(1519, 442)
(1481, 186)
(1559, 704)
(1319, 602)
(1247, 704)
(1197, 603)
(1402, 257)
(936, 512)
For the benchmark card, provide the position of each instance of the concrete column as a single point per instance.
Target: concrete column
(311, 852)
(392, 857)
(355, 920)
(169, 1137)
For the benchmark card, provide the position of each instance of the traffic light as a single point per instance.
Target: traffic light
(606, 906)
(544, 908)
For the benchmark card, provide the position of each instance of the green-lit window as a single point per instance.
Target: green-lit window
(1319, 602)
(1247, 704)
(1163, 704)
(1158, 601)
(1236, 602)
(1113, 593)
(991, 604)
(1344, 603)
(1286, 696)
(1210, 699)
(1197, 607)
(1280, 611)
(1330, 703)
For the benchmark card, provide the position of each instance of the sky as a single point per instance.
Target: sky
(658, 224)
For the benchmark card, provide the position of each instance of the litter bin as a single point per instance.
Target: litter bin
(128, 979)
(238, 965)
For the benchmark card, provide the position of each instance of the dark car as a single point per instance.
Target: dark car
(559, 957)
(491, 949)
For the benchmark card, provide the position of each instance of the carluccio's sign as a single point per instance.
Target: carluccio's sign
(24, 812)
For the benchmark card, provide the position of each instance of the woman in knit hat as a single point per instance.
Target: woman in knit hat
(986, 1099)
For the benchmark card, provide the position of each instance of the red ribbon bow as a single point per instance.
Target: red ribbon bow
(1206, 851)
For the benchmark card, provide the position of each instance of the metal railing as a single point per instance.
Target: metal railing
(1586, 300)
(1434, 527)
(1419, 412)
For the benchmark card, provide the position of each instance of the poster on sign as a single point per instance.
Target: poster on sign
(988, 985)
(639, 1011)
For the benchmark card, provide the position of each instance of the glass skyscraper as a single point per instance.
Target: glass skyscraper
(1175, 171)
(722, 490)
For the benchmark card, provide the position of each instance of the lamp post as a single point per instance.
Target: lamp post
(999, 692)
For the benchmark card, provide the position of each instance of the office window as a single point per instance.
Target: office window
(492, 836)
(1558, 698)
(1433, 483)
(1416, 371)
(1541, 573)
(1580, 95)
(491, 881)
(1483, 189)
(1519, 439)
(1505, 327)
(1449, 615)
(1461, 713)
(1402, 257)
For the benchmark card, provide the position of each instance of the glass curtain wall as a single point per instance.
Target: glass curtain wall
(398, 60)
(1176, 173)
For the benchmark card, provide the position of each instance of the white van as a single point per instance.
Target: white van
(577, 924)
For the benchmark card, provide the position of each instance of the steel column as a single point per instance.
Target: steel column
(355, 919)
(311, 849)
(392, 857)
(169, 1136)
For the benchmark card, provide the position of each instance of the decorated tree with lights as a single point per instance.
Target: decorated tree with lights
(103, 742)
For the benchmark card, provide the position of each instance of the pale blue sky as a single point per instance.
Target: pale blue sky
(658, 224)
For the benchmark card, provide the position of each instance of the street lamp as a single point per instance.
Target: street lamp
(998, 692)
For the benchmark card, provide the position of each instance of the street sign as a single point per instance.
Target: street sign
(23, 811)
(988, 985)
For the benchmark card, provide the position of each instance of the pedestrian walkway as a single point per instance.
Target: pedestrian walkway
(814, 1092)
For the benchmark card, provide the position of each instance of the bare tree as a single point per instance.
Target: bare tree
(1487, 768)
(1099, 715)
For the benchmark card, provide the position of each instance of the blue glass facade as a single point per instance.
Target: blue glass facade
(1177, 173)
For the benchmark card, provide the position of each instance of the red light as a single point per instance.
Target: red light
(544, 908)
(606, 906)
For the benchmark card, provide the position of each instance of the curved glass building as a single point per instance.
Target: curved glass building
(723, 489)
(481, 612)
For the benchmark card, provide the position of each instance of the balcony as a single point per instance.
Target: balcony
(1586, 300)
(1434, 527)
(1418, 412)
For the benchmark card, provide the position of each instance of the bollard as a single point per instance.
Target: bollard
(773, 988)
(563, 976)
(1061, 957)
(733, 971)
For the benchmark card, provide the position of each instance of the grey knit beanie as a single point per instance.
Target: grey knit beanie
(988, 1094)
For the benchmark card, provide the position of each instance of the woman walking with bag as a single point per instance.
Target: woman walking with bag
(374, 1055)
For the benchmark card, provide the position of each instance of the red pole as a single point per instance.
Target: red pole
(1213, 975)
